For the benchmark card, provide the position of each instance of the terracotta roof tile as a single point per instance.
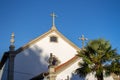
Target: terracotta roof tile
(63, 66)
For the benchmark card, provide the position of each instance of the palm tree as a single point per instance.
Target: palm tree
(114, 68)
(97, 56)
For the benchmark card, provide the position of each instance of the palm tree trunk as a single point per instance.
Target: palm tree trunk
(100, 77)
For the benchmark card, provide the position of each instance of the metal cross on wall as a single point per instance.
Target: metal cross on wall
(83, 39)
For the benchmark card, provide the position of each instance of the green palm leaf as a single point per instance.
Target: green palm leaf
(99, 57)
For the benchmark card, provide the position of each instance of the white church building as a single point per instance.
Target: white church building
(50, 56)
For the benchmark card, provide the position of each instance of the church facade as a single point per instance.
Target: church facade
(51, 56)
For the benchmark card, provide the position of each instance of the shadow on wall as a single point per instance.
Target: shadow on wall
(76, 77)
(30, 63)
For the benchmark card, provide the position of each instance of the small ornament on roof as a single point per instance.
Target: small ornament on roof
(53, 20)
(12, 41)
(83, 39)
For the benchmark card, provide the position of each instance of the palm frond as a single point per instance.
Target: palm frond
(95, 56)
(83, 70)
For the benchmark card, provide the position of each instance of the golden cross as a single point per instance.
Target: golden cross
(53, 19)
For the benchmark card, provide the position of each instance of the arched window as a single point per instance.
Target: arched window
(53, 39)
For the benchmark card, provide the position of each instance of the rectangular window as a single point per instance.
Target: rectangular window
(53, 39)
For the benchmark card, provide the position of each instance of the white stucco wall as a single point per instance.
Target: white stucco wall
(33, 60)
(73, 76)
(70, 71)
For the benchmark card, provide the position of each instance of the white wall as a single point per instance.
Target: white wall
(70, 71)
(33, 60)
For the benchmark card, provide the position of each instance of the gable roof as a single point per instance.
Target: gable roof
(53, 29)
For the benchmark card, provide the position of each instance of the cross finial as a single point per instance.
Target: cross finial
(53, 18)
(83, 39)
(12, 39)
(12, 47)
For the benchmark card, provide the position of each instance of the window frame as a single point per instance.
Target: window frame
(53, 38)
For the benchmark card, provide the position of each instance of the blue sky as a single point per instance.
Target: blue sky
(29, 19)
